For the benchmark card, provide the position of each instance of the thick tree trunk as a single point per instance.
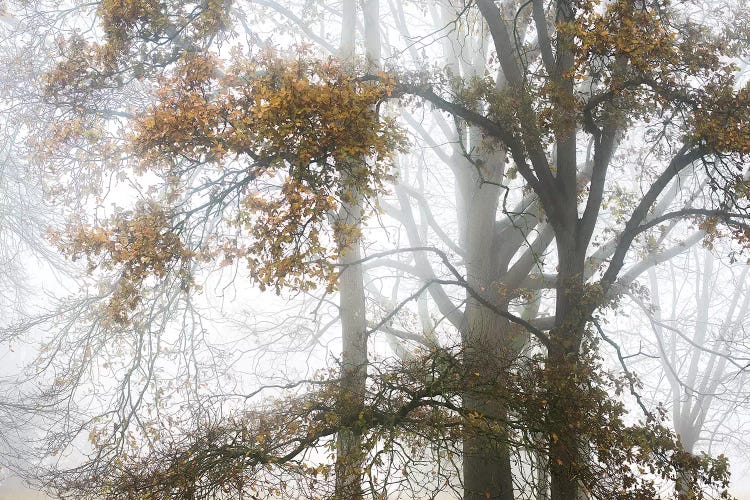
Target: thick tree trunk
(564, 456)
(486, 453)
(490, 345)
(564, 444)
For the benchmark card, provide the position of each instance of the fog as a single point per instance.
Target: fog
(374, 249)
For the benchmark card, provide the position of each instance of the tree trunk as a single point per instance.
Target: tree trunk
(562, 360)
(350, 455)
(564, 443)
(489, 341)
(486, 452)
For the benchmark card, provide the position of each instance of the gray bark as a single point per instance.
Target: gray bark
(350, 455)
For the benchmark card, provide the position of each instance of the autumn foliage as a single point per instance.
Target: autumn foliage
(271, 139)
(412, 411)
(255, 157)
(293, 126)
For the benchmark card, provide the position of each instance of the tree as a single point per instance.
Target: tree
(701, 349)
(350, 456)
(643, 67)
(25, 253)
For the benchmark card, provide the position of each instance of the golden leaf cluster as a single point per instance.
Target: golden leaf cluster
(283, 147)
(622, 29)
(651, 67)
(723, 122)
(308, 137)
(138, 244)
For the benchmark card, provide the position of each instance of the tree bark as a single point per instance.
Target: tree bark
(490, 342)
(562, 394)
(350, 455)
(486, 452)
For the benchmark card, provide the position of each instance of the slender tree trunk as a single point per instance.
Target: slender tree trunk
(542, 475)
(350, 455)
